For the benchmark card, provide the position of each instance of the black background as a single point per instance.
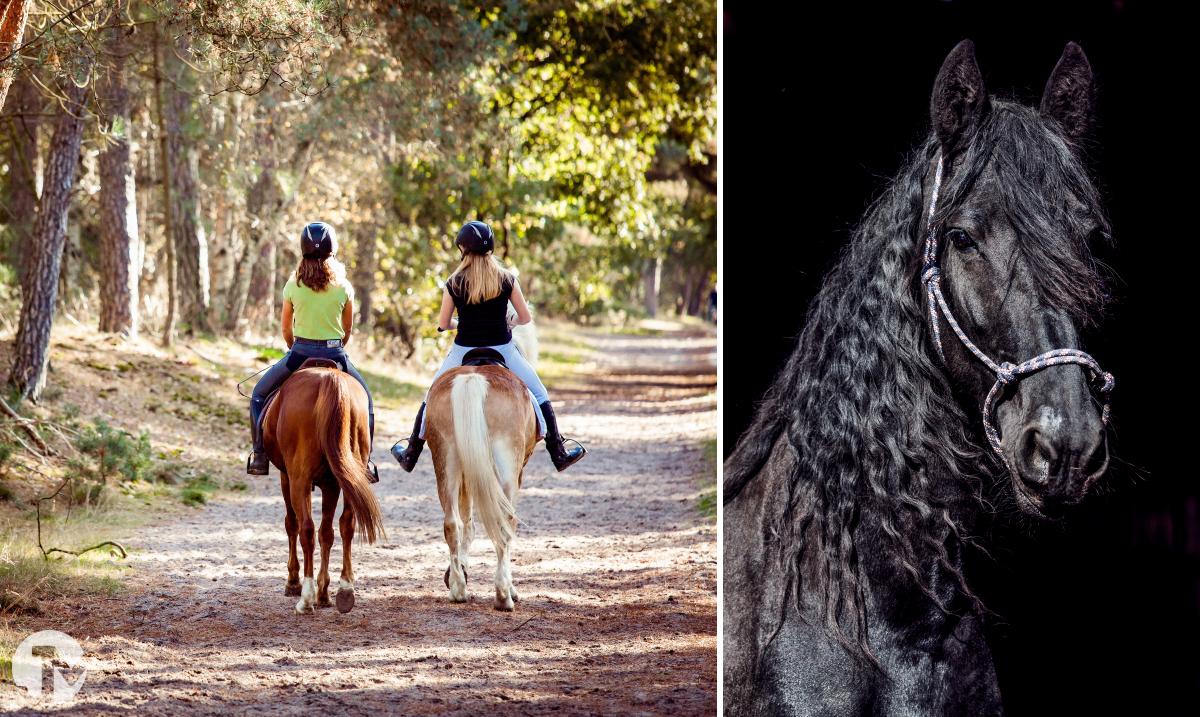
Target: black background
(821, 103)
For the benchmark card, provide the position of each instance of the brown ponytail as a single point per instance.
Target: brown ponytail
(319, 274)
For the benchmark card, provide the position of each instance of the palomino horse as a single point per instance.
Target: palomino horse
(481, 429)
(316, 433)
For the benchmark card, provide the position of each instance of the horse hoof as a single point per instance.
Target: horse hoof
(324, 602)
(291, 589)
(345, 600)
(513, 594)
(505, 605)
(302, 608)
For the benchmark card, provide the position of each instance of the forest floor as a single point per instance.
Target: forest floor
(616, 559)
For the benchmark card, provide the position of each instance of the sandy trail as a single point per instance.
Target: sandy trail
(616, 569)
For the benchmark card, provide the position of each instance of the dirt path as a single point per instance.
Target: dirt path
(616, 568)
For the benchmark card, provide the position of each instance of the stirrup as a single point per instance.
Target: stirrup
(408, 454)
(257, 470)
(565, 452)
(373, 472)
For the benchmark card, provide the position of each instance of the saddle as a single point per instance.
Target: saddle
(484, 357)
(314, 362)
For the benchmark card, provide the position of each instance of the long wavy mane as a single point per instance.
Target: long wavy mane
(863, 407)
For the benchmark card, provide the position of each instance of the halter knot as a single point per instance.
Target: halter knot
(1006, 373)
(1109, 382)
(931, 273)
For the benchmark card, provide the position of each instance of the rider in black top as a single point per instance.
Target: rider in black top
(485, 323)
(480, 290)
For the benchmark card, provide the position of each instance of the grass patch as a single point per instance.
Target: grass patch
(27, 578)
(557, 357)
(197, 490)
(549, 335)
(707, 502)
(390, 393)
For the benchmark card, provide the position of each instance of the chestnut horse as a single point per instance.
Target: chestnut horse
(316, 433)
(481, 429)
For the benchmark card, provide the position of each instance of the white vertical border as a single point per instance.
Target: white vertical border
(723, 287)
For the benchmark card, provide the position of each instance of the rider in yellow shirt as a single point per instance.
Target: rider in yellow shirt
(318, 314)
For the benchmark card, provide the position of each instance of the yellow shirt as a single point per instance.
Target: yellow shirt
(317, 314)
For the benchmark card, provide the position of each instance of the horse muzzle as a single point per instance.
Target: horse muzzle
(1055, 459)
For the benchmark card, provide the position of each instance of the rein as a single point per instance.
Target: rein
(244, 380)
(1006, 373)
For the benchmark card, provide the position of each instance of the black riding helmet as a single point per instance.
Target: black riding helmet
(317, 241)
(476, 238)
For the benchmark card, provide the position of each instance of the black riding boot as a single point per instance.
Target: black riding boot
(371, 464)
(559, 455)
(408, 455)
(257, 464)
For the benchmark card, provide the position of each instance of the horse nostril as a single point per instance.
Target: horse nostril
(1038, 456)
(1095, 456)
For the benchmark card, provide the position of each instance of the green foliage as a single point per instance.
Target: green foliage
(111, 452)
(250, 42)
(579, 100)
(197, 490)
(584, 132)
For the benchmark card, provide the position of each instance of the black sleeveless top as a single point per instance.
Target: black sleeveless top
(485, 323)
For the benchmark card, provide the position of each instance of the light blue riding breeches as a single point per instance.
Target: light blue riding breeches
(515, 362)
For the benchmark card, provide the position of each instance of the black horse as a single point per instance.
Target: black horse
(852, 498)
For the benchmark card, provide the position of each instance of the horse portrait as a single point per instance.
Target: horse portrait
(938, 381)
(315, 432)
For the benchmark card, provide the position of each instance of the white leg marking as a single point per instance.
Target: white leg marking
(458, 586)
(308, 596)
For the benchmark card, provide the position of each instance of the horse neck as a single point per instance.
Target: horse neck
(896, 597)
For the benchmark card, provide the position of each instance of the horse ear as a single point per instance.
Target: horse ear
(959, 99)
(1070, 96)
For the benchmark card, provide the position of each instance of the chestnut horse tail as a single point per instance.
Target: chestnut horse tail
(473, 441)
(338, 427)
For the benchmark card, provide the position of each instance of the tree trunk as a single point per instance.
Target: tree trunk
(164, 174)
(227, 213)
(188, 241)
(652, 279)
(13, 14)
(261, 195)
(24, 169)
(30, 351)
(118, 201)
(697, 290)
(364, 271)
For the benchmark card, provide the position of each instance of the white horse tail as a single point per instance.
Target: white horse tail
(473, 441)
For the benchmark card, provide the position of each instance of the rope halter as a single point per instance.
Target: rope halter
(1006, 373)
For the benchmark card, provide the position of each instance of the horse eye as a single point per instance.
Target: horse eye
(960, 239)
